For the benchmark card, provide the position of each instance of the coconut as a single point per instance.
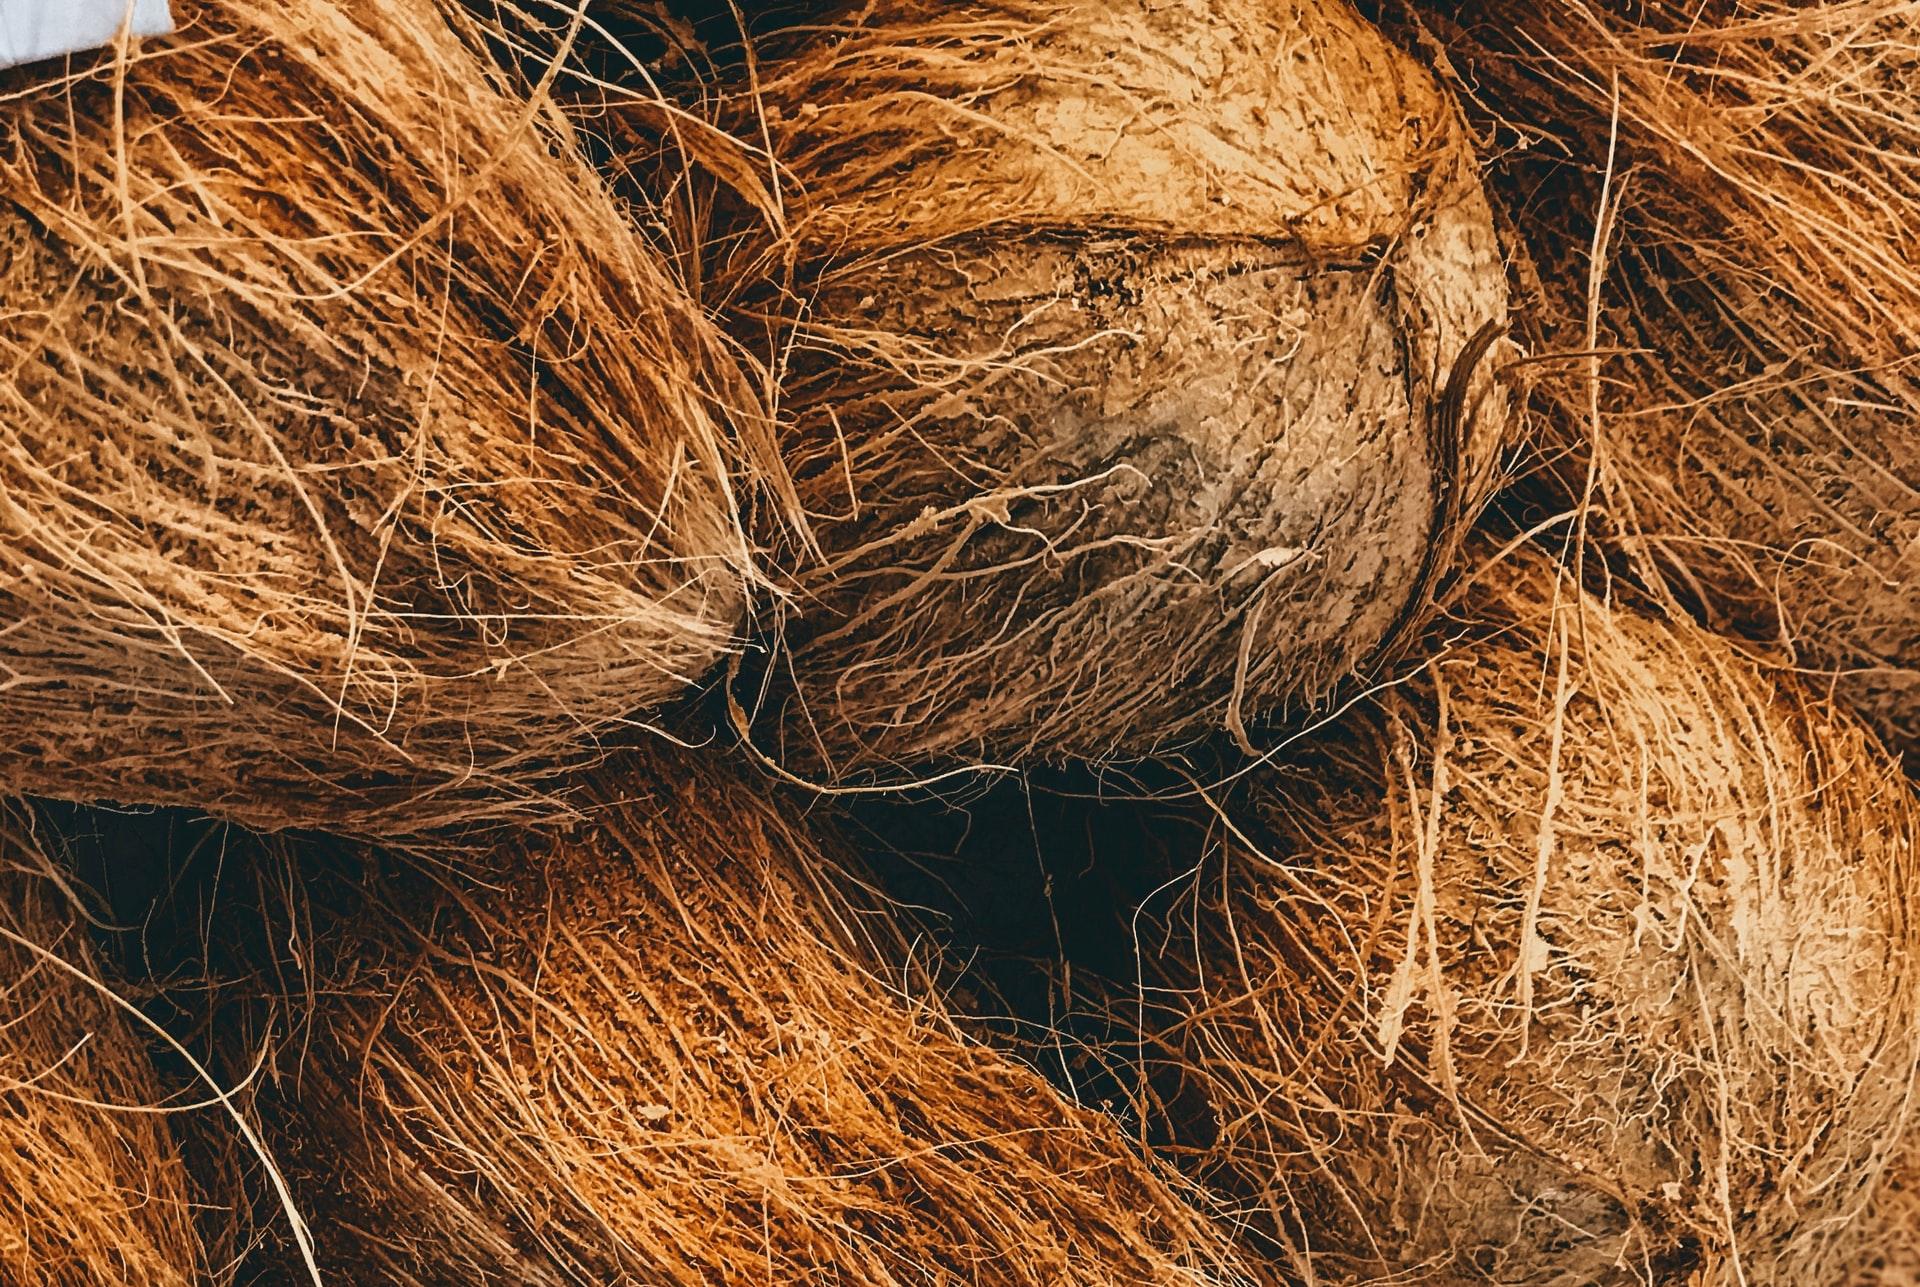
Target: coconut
(1587, 956)
(673, 1048)
(1131, 360)
(92, 1187)
(1746, 430)
(359, 462)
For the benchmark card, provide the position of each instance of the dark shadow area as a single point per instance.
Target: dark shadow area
(1032, 884)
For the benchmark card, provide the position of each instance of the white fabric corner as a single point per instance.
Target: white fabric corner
(34, 29)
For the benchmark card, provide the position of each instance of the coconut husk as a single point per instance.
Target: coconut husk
(92, 1187)
(1132, 368)
(677, 1047)
(1587, 956)
(1718, 198)
(361, 462)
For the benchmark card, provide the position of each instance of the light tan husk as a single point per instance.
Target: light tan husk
(359, 462)
(92, 1189)
(1747, 434)
(1114, 342)
(680, 1047)
(1589, 956)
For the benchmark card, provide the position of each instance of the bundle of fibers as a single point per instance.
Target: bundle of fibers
(359, 462)
(674, 1049)
(1747, 432)
(1131, 365)
(92, 1188)
(1589, 956)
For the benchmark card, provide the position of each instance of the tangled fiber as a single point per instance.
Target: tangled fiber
(92, 1188)
(1890, 1255)
(1589, 956)
(359, 462)
(1719, 197)
(1131, 366)
(675, 1048)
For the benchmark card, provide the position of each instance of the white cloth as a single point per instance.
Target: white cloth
(34, 29)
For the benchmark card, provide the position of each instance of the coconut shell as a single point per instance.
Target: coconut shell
(92, 1188)
(1588, 956)
(1747, 429)
(358, 462)
(674, 1049)
(1131, 363)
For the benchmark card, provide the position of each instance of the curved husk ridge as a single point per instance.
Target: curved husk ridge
(362, 461)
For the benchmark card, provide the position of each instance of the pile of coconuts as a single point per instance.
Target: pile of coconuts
(1231, 642)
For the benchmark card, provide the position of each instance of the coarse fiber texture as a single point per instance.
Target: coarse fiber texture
(358, 459)
(1588, 955)
(677, 1048)
(93, 1192)
(1746, 430)
(1890, 1238)
(1135, 369)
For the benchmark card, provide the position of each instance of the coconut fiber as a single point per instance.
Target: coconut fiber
(93, 1192)
(1890, 1255)
(358, 460)
(1719, 199)
(1131, 364)
(677, 1047)
(1586, 956)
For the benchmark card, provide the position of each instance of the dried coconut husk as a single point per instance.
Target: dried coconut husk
(1747, 433)
(1587, 956)
(358, 460)
(1131, 364)
(92, 1188)
(674, 1049)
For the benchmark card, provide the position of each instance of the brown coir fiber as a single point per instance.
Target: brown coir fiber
(358, 461)
(1131, 368)
(1890, 1236)
(1589, 956)
(676, 1048)
(92, 1189)
(1747, 433)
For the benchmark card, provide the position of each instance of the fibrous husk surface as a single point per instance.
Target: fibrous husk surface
(1718, 199)
(1117, 346)
(674, 1048)
(1588, 956)
(360, 460)
(1890, 1237)
(93, 1192)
